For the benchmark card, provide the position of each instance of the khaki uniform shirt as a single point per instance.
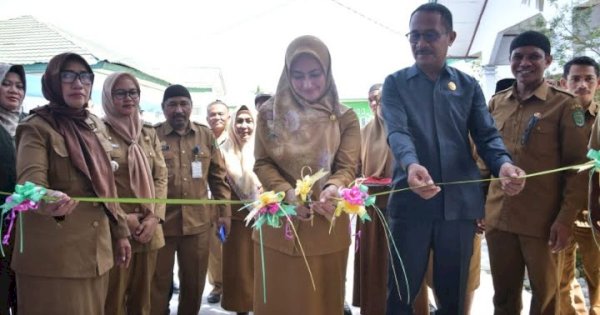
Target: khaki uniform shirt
(150, 144)
(559, 138)
(315, 236)
(179, 151)
(80, 245)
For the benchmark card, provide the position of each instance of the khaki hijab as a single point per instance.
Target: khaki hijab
(376, 158)
(239, 159)
(296, 133)
(129, 128)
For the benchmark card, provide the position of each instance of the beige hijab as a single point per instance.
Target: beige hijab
(130, 129)
(239, 159)
(375, 153)
(297, 133)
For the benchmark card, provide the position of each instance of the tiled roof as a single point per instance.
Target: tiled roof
(25, 40)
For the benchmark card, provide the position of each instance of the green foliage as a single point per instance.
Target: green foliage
(574, 30)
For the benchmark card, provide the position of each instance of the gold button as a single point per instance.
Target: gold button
(95, 224)
(332, 117)
(183, 151)
(451, 86)
(184, 179)
(147, 138)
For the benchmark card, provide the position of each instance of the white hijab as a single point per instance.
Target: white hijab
(239, 159)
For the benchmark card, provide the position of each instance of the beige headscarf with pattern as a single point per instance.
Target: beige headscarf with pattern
(300, 133)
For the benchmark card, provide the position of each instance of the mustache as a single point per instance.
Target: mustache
(178, 115)
(424, 52)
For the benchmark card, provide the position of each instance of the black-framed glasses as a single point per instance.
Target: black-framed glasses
(68, 76)
(122, 94)
(428, 36)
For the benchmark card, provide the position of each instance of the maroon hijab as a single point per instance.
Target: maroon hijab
(85, 150)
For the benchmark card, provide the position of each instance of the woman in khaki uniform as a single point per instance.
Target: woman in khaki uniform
(304, 125)
(238, 250)
(141, 173)
(371, 260)
(68, 246)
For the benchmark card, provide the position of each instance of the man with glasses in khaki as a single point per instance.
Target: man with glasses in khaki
(430, 109)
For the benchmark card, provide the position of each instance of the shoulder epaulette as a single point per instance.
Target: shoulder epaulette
(200, 124)
(560, 90)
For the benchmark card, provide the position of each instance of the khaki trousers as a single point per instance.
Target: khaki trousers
(509, 254)
(129, 288)
(215, 277)
(572, 300)
(192, 256)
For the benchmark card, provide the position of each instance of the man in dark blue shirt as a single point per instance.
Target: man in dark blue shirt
(430, 109)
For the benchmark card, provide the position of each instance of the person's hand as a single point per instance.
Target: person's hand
(512, 181)
(560, 235)
(58, 204)
(122, 252)
(326, 204)
(304, 213)
(480, 229)
(420, 182)
(145, 230)
(224, 222)
(133, 222)
(290, 197)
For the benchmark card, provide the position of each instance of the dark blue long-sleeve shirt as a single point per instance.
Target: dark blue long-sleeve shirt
(429, 123)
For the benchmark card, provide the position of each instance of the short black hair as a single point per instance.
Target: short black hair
(531, 38)
(581, 61)
(437, 8)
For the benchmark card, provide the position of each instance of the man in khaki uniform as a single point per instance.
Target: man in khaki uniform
(543, 128)
(580, 77)
(217, 115)
(194, 164)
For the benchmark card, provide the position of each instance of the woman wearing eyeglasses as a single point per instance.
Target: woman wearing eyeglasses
(141, 173)
(68, 245)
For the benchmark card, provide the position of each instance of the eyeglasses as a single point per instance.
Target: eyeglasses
(70, 76)
(122, 94)
(428, 36)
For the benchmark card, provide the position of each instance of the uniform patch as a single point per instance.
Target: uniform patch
(579, 117)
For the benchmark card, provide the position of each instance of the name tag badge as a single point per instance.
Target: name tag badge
(197, 169)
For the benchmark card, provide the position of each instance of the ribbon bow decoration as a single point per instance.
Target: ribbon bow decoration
(26, 197)
(354, 201)
(268, 208)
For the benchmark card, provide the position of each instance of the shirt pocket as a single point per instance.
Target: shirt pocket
(543, 140)
(60, 168)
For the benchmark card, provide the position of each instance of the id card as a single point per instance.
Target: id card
(196, 169)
